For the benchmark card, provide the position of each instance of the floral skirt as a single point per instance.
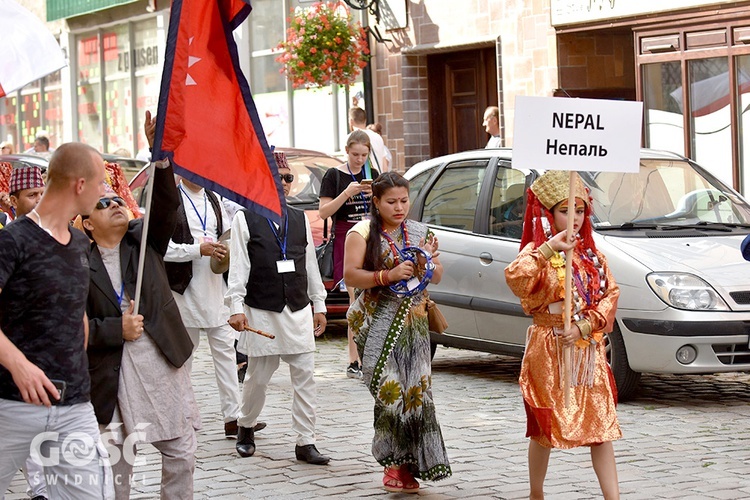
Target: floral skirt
(394, 344)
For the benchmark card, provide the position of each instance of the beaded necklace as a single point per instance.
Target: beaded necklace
(392, 243)
(590, 268)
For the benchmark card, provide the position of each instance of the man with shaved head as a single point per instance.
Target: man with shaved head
(44, 380)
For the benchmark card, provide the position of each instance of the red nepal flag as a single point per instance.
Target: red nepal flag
(207, 123)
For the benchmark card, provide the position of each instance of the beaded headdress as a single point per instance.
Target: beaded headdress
(546, 192)
(552, 188)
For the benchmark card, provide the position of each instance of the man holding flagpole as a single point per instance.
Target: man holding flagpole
(138, 373)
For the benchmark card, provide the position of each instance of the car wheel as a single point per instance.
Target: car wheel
(625, 378)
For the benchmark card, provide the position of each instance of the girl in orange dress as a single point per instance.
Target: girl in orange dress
(537, 277)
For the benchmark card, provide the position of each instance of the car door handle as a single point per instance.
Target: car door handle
(486, 258)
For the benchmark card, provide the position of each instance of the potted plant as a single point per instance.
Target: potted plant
(323, 46)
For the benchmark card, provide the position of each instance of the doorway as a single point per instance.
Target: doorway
(460, 87)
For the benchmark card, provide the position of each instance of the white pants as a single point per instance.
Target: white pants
(221, 342)
(301, 370)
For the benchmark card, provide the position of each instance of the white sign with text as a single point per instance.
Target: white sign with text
(559, 133)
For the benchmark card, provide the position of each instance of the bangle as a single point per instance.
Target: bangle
(546, 250)
(585, 326)
(381, 278)
(383, 275)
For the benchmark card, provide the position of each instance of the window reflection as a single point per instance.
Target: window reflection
(710, 116)
(662, 84)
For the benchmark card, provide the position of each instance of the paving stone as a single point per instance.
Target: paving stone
(684, 437)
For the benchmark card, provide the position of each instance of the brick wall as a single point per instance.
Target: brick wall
(527, 63)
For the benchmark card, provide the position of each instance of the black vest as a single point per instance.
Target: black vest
(180, 273)
(268, 289)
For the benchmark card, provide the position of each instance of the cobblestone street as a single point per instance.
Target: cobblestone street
(684, 437)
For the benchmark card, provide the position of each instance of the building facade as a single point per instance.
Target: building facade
(437, 64)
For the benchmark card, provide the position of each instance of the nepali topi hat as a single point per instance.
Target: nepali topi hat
(25, 176)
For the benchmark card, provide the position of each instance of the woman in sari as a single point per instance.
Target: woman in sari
(392, 335)
(537, 276)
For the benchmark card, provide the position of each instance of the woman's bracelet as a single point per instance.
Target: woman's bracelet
(381, 278)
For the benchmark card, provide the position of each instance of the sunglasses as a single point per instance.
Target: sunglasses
(288, 178)
(106, 202)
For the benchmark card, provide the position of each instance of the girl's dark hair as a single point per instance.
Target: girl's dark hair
(384, 182)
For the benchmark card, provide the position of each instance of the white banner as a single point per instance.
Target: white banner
(559, 133)
(29, 51)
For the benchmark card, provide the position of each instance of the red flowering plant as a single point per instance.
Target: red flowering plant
(323, 46)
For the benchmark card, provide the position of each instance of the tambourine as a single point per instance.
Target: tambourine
(414, 285)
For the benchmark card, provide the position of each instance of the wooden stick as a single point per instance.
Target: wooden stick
(260, 332)
(567, 309)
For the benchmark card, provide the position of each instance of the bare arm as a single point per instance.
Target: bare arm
(329, 206)
(354, 259)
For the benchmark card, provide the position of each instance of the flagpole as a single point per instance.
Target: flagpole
(144, 236)
(567, 309)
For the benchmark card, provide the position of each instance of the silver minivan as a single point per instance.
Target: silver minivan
(671, 234)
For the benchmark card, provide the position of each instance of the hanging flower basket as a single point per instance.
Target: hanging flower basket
(323, 46)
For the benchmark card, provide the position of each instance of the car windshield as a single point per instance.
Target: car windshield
(308, 172)
(663, 192)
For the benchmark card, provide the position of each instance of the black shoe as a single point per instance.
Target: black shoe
(241, 371)
(39, 497)
(230, 429)
(259, 426)
(310, 454)
(245, 441)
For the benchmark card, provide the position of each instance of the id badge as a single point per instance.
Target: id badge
(412, 284)
(285, 266)
(207, 239)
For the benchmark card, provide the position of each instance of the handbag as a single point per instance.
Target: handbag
(324, 254)
(436, 320)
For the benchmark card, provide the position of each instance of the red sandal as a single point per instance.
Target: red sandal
(392, 480)
(410, 485)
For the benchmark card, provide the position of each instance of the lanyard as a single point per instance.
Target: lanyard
(364, 198)
(121, 295)
(394, 249)
(282, 244)
(204, 220)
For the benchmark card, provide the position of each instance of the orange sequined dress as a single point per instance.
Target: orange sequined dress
(590, 417)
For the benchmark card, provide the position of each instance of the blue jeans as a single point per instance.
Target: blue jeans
(64, 440)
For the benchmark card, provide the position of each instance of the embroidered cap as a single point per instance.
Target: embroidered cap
(25, 176)
(552, 188)
(280, 159)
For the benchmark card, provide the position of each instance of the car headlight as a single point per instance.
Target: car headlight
(686, 291)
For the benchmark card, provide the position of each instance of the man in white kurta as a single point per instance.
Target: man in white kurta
(294, 328)
(201, 304)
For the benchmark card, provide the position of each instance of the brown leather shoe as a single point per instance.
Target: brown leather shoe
(230, 428)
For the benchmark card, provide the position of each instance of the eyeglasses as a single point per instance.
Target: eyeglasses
(288, 178)
(106, 202)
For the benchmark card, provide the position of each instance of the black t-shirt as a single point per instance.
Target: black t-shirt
(44, 288)
(334, 183)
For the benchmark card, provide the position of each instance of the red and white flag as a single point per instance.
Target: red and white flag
(28, 51)
(207, 123)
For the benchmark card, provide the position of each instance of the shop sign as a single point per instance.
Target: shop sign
(587, 11)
